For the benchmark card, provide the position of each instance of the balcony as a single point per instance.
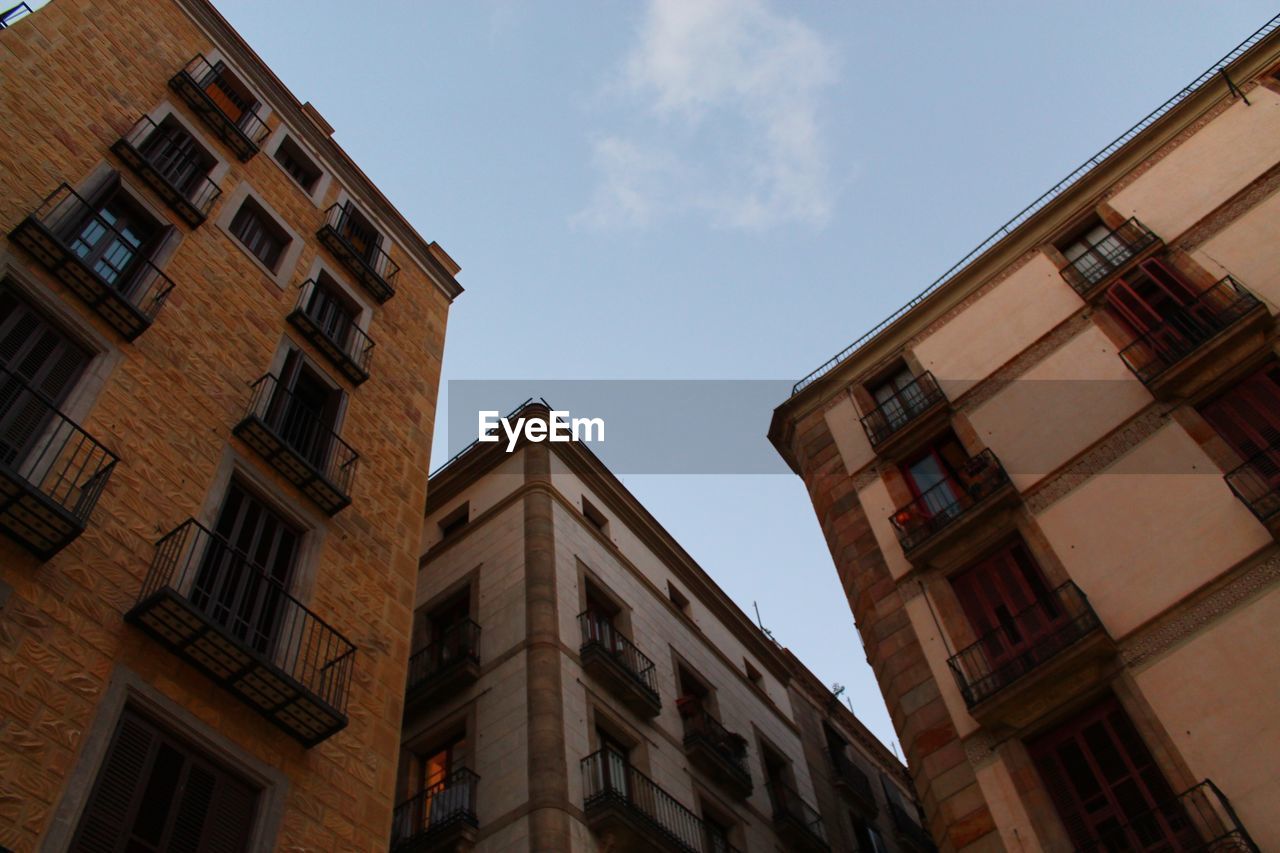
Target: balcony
(212, 606)
(1224, 325)
(913, 415)
(318, 317)
(174, 171)
(912, 835)
(299, 444)
(798, 824)
(716, 751)
(1257, 484)
(1038, 656)
(1199, 820)
(66, 233)
(850, 780)
(1102, 261)
(445, 666)
(220, 104)
(937, 518)
(633, 815)
(441, 818)
(51, 471)
(611, 659)
(355, 244)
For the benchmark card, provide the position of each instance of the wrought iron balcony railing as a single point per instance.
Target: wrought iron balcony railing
(852, 777)
(213, 606)
(458, 646)
(1152, 354)
(67, 235)
(1029, 638)
(610, 784)
(906, 404)
(357, 245)
(209, 90)
(328, 326)
(437, 811)
(1199, 820)
(299, 443)
(598, 632)
(12, 15)
(1257, 483)
(790, 810)
(728, 750)
(1102, 259)
(909, 827)
(51, 470)
(948, 501)
(164, 158)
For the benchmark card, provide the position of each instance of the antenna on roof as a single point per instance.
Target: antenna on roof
(760, 624)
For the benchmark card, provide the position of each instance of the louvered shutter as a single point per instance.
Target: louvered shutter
(1248, 416)
(117, 794)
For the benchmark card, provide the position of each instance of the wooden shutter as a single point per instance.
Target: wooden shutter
(994, 591)
(156, 793)
(1248, 416)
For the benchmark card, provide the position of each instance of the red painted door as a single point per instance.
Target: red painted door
(1248, 415)
(1008, 603)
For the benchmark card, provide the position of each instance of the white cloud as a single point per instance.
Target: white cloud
(724, 96)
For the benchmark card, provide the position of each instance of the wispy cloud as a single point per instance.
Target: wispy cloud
(724, 98)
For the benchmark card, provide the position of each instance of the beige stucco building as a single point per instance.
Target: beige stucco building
(579, 683)
(1049, 485)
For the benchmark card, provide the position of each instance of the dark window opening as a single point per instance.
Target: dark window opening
(115, 237)
(678, 598)
(176, 155)
(329, 308)
(455, 520)
(298, 164)
(304, 410)
(260, 234)
(595, 516)
(359, 232)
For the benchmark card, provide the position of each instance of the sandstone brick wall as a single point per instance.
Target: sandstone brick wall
(73, 77)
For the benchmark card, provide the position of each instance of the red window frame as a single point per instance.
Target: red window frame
(994, 591)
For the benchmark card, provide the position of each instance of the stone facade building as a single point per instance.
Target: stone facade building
(579, 683)
(211, 479)
(1049, 485)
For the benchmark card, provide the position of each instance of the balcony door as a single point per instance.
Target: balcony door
(900, 398)
(39, 366)
(615, 764)
(1248, 418)
(229, 96)
(1160, 306)
(1008, 603)
(331, 314)
(175, 154)
(360, 234)
(246, 570)
(450, 625)
(304, 410)
(114, 237)
(935, 478)
(1106, 786)
(441, 799)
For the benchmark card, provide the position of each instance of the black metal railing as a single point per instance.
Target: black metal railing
(350, 236)
(906, 404)
(1110, 253)
(598, 630)
(608, 778)
(456, 644)
(1182, 333)
(214, 95)
(305, 431)
(1023, 642)
(12, 14)
(852, 775)
(1257, 483)
(788, 805)
(232, 593)
(1199, 820)
(165, 157)
(948, 501)
(69, 235)
(45, 452)
(342, 339)
(730, 747)
(445, 804)
(909, 827)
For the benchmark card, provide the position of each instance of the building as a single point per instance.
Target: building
(579, 683)
(219, 352)
(1049, 487)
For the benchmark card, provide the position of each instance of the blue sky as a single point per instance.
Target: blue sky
(721, 189)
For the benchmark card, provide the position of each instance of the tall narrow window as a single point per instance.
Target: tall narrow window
(304, 410)
(176, 155)
(298, 164)
(154, 793)
(331, 311)
(1008, 603)
(899, 397)
(229, 94)
(1248, 415)
(259, 233)
(114, 237)
(360, 233)
(936, 476)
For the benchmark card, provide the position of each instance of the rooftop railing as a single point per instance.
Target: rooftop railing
(216, 98)
(457, 644)
(438, 807)
(1099, 260)
(1257, 483)
(51, 471)
(213, 605)
(1213, 73)
(940, 506)
(1028, 639)
(357, 245)
(1184, 332)
(1199, 820)
(598, 630)
(66, 234)
(164, 158)
(906, 404)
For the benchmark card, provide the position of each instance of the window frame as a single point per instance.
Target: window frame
(324, 178)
